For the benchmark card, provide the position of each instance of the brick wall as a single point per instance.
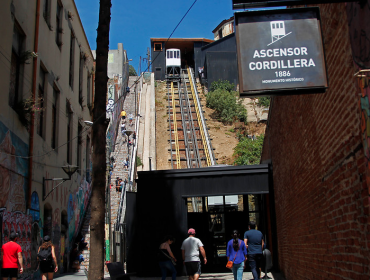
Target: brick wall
(320, 171)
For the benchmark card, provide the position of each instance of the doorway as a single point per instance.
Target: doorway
(215, 217)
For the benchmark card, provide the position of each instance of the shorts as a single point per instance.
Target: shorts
(46, 267)
(193, 268)
(9, 272)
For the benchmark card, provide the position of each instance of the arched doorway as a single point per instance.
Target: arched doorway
(48, 220)
(64, 241)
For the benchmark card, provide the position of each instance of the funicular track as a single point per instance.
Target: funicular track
(190, 145)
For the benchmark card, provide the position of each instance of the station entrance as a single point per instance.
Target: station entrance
(215, 217)
(212, 200)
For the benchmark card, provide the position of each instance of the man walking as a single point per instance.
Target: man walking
(11, 255)
(253, 240)
(190, 255)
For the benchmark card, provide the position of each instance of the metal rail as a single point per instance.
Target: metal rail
(178, 165)
(192, 143)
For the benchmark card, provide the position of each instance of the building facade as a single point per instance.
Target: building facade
(318, 146)
(226, 27)
(46, 76)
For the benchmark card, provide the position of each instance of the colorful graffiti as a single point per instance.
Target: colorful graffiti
(13, 171)
(21, 224)
(358, 15)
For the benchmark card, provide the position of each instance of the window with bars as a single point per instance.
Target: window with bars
(40, 102)
(16, 67)
(69, 132)
(71, 59)
(59, 29)
(80, 79)
(46, 11)
(54, 118)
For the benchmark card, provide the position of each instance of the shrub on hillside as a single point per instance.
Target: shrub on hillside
(264, 101)
(248, 151)
(226, 103)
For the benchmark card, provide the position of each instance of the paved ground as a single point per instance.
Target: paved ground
(206, 276)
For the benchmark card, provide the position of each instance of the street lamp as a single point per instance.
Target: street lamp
(68, 169)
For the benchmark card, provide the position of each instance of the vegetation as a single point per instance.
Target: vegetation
(132, 71)
(264, 101)
(138, 161)
(226, 103)
(248, 151)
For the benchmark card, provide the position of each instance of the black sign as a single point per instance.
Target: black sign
(280, 51)
(240, 4)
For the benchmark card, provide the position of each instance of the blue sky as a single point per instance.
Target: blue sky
(134, 22)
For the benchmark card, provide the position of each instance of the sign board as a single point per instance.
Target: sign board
(280, 52)
(245, 4)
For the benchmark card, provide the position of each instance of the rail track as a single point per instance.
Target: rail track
(190, 145)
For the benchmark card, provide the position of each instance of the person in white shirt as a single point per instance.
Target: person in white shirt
(190, 249)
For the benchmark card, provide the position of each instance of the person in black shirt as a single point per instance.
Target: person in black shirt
(253, 240)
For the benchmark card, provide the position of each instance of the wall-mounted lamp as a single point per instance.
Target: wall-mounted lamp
(88, 123)
(68, 169)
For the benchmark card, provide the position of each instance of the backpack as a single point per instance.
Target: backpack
(44, 255)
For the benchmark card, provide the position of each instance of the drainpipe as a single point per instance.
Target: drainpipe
(32, 128)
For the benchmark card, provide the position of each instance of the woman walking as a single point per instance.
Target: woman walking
(48, 264)
(166, 259)
(236, 252)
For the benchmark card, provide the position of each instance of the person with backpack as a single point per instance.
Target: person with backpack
(47, 259)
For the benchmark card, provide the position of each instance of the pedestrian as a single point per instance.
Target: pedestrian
(123, 127)
(166, 259)
(123, 114)
(47, 259)
(121, 184)
(126, 163)
(11, 256)
(190, 249)
(253, 240)
(117, 184)
(130, 118)
(236, 251)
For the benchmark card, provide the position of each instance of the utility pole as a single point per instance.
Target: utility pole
(139, 67)
(148, 59)
(99, 128)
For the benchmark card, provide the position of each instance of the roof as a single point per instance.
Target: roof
(178, 40)
(222, 23)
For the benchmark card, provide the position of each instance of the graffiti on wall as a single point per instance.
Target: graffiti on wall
(358, 14)
(13, 171)
(77, 206)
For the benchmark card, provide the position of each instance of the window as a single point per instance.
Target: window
(46, 11)
(220, 33)
(88, 163)
(157, 47)
(88, 89)
(71, 59)
(40, 102)
(59, 30)
(69, 132)
(54, 118)
(79, 143)
(16, 67)
(80, 79)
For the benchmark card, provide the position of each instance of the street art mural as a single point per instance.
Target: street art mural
(22, 224)
(358, 14)
(13, 171)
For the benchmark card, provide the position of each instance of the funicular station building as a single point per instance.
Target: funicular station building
(213, 200)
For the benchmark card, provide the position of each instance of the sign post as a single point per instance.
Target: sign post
(280, 52)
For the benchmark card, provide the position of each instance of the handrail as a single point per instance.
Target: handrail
(202, 126)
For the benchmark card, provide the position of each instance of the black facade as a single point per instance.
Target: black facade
(160, 208)
(220, 60)
(158, 61)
